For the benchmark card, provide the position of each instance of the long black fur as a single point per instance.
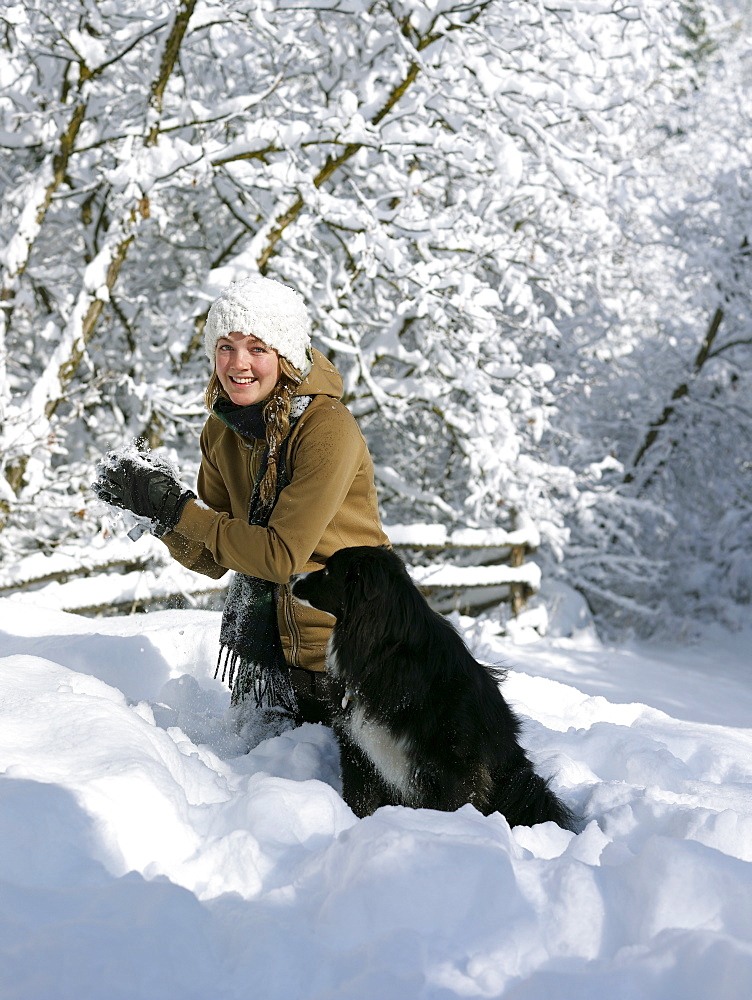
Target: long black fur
(419, 721)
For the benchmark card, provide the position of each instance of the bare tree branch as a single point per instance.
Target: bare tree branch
(333, 163)
(679, 392)
(120, 234)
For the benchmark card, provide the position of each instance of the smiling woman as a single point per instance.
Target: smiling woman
(285, 480)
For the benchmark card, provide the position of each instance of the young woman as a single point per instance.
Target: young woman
(285, 480)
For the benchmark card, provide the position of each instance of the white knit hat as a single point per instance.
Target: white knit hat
(263, 308)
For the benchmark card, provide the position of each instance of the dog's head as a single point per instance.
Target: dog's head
(351, 577)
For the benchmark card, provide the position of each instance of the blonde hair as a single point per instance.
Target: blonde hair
(276, 420)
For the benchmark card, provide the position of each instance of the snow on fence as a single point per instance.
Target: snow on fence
(465, 569)
(470, 568)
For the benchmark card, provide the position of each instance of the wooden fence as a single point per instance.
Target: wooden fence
(464, 569)
(468, 569)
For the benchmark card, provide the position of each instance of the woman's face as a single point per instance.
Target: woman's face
(246, 368)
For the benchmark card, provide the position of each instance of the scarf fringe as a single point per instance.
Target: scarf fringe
(269, 687)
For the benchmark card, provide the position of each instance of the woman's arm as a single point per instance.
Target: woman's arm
(212, 492)
(326, 452)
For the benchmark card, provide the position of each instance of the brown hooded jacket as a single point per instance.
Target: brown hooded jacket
(329, 504)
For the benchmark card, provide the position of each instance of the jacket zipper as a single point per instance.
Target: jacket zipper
(292, 626)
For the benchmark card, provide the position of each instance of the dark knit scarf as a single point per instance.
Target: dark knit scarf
(250, 647)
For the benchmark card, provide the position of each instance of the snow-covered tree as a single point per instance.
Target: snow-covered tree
(665, 525)
(467, 194)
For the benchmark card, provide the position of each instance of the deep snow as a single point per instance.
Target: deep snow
(144, 854)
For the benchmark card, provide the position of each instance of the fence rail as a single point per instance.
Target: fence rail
(465, 569)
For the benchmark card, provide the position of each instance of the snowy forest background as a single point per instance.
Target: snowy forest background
(522, 228)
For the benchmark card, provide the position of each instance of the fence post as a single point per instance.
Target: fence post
(517, 596)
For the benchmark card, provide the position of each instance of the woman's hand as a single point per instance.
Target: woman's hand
(146, 490)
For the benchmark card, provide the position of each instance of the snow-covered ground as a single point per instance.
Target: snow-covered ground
(144, 854)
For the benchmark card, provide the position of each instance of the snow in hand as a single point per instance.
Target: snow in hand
(138, 452)
(145, 854)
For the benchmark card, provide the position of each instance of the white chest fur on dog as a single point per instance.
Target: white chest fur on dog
(388, 754)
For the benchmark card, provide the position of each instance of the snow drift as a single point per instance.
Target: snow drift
(145, 854)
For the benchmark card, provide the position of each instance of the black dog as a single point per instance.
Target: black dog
(419, 721)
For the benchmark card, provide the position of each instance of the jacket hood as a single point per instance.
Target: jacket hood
(322, 380)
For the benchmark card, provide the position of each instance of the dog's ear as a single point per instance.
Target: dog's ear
(365, 578)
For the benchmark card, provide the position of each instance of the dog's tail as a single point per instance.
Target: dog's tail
(525, 798)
